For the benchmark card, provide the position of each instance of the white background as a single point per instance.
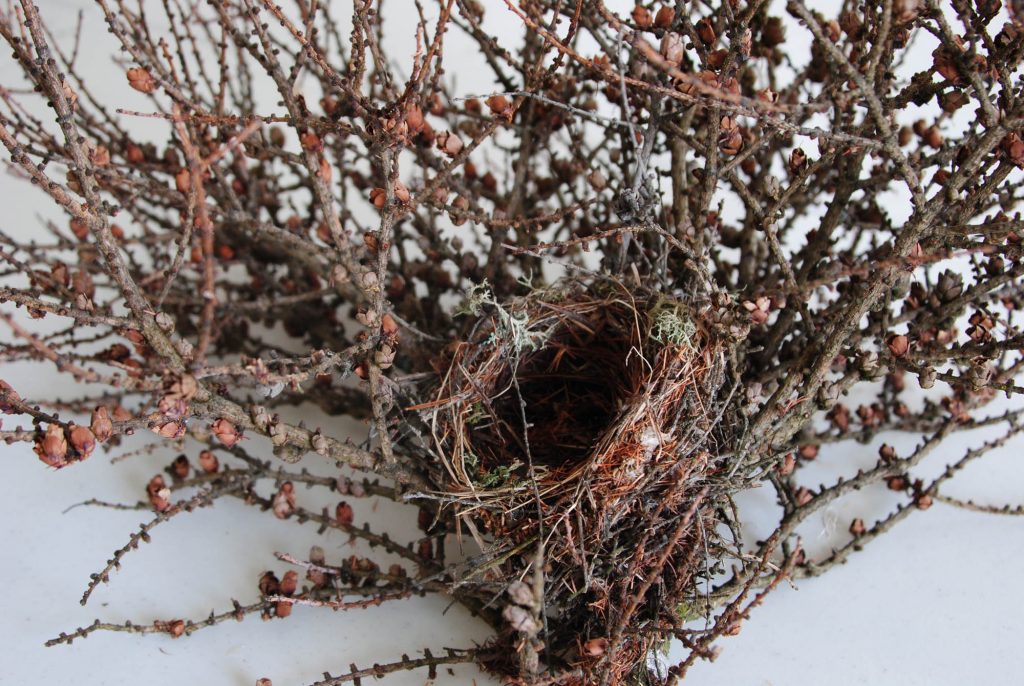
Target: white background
(937, 601)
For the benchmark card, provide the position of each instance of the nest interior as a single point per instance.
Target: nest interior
(570, 385)
(574, 431)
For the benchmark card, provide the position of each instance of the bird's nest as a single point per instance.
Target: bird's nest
(574, 431)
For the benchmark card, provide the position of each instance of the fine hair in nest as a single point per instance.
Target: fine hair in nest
(574, 432)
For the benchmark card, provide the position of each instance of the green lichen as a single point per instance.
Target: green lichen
(672, 325)
(512, 328)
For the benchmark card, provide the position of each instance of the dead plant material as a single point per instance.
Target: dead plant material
(572, 426)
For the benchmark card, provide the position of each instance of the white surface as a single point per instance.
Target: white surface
(938, 601)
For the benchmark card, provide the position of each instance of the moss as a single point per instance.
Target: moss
(502, 475)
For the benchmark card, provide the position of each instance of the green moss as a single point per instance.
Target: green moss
(476, 414)
(500, 476)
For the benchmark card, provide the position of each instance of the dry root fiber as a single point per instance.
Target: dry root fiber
(575, 433)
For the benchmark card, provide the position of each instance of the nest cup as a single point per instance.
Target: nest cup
(578, 416)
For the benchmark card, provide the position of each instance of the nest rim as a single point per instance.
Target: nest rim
(662, 327)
